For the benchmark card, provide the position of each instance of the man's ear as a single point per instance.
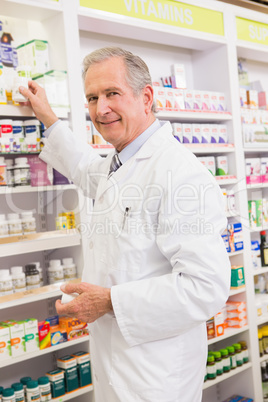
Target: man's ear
(148, 98)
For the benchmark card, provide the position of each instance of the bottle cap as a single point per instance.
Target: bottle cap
(54, 263)
(16, 270)
(17, 386)
(210, 358)
(67, 261)
(230, 349)
(224, 352)
(43, 380)
(12, 217)
(24, 380)
(32, 384)
(8, 392)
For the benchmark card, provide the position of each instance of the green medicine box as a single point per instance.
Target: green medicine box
(83, 368)
(56, 379)
(69, 366)
(237, 277)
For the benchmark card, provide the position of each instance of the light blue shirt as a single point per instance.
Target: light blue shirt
(131, 148)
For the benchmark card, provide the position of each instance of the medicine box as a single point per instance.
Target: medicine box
(31, 335)
(170, 102)
(222, 130)
(69, 366)
(263, 100)
(221, 102)
(221, 165)
(58, 79)
(214, 133)
(237, 277)
(35, 54)
(41, 173)
(197, 135)
(210, 328)
(188, 99)
(206, 133)
(219, 324)
(197, 100)
(205, 100)
(187, 133)
(210, 164)
(178, 99)
(264, 170)
(252, 99)
(177, 131)
(74, 327)
(243, 97)
(5, 346)
(178, 76)
(235, 236)
(238, 398)
(159, 97)
(213, 101)
(16, 333)
(83, 368)
(44, 334)
(56, 379)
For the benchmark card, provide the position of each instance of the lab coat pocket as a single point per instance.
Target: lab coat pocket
(131, 243)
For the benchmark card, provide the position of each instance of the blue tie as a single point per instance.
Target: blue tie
(115, 164)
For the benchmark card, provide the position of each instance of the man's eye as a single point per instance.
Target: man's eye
(91, 99)
(112, 93)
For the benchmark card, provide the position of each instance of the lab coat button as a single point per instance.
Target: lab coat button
(91, 245)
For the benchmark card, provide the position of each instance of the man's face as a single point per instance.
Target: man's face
(114, 110)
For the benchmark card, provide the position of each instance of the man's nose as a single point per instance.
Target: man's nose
(103, 106)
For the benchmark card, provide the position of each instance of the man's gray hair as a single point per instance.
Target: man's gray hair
(138, 75)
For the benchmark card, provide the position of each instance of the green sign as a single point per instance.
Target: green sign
(169, 12)
(252, 31)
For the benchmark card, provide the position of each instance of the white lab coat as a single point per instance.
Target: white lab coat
(155, 240)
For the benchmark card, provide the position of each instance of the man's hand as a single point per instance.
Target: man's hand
(38, 99)
(93, 302)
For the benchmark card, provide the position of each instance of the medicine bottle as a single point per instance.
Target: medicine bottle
(226, 360)
(231, 351)
(32, 131)
(18, 279)
(3, 226)
(14, 225)
(238, 354)
(6, 135)
(10, 173)
(28, 222)
(21, 79)
(40, 270)
(6, 287)
(260, 342)
(18, 136)
(265, 339)
(32, 277)
(69, 269)
(8, 395)
(32, 391)
(45, 389)
(211, 368)
(24, 381)
(244, 350)
(3, 172)
(19, 391)
(55, 272)
(22, 172)
(218, 362)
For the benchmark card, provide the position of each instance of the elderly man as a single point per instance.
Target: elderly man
(158, 269)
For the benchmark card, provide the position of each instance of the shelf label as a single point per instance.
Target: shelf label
(252, 31)
(169, 12)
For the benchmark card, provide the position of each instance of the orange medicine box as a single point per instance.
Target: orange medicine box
(74, 327)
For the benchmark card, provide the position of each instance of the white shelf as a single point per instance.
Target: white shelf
(37, 10)
(227, 334)
(226, 180)
(26, 111)
(262, 319)
(193, 116)
(259, 271)
(33, 295)
(234, 292)
(210, 148)
(16, 245)
(38, 353)
(236, 253)
(30, 189)
(256, 149)
(225, 376)
(74, 394)
(259, 229)
(259, 185)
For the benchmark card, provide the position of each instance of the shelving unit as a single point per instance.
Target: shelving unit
(211, 64)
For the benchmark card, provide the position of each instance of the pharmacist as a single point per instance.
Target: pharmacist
(156, 266)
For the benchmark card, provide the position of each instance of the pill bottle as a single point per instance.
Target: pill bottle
(232, 355)
(61, 222)
(40, 270)
(18, 279)
(238, 354)
(18, 136)
(45, 389)
(69, 269)
(211, 368)
(3, 172)
(6, 129)
(28, 222)
(19, 391)
(55, 272)
(226, 360)
(218, 362)
(14, 225)
(10, 173)
(244, 349)
(8, 395)
(3, 226)
(32, 391)
(32, 277)
(24, 381)
(6, 287)
(22, 172)
(32, 132)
